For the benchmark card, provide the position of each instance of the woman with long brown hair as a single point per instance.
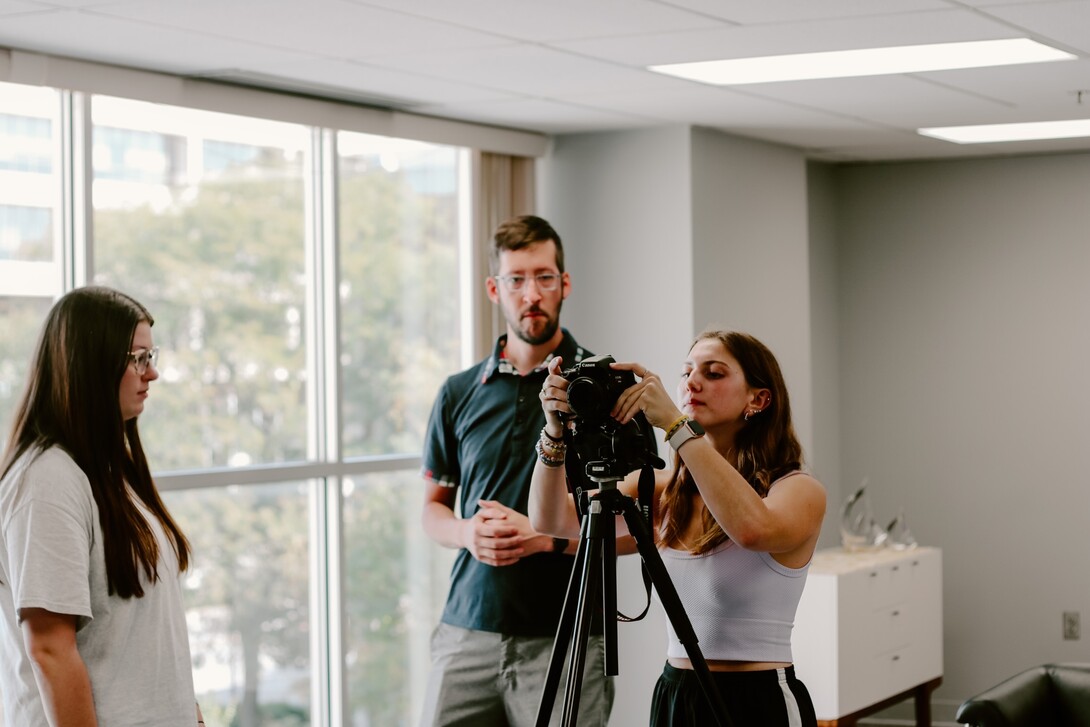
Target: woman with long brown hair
(736, 521)
(93, 629)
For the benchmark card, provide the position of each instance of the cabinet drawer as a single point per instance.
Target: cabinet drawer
(882, 585)
(906, 666)
(891, 627)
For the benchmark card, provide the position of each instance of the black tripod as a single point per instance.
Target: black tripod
(596, 569)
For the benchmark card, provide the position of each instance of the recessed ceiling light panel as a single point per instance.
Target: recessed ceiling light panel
(996, 133)
(866, 62)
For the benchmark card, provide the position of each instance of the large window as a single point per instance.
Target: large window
(399, 287)
(201, 217)
(394, 589)
(30, 202)
(399, 336)
(305, 288)
(247, 600)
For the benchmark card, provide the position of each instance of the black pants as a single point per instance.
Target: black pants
(772, 698)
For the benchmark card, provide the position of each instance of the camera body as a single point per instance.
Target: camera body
(606, 449)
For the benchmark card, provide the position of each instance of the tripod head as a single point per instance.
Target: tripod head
(605, 452)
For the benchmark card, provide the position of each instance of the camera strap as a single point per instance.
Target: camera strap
(573, 469)
(645, 493)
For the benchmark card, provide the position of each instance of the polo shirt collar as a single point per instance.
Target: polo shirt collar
(497, 365)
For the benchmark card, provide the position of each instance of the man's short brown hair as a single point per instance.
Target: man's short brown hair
(521, 232)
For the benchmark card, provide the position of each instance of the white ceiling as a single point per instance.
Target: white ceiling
(559, 66)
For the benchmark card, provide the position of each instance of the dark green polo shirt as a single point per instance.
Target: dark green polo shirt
(480, 439)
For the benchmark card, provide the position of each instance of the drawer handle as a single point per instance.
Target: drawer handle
(896, 568)
(897, 657)
(874, 574)
(896, 613)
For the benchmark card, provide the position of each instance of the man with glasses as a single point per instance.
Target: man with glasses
(491, 651)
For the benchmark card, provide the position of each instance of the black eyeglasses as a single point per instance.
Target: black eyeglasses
(144, 357)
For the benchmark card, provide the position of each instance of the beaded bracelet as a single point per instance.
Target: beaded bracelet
(674, 427)
(548, 443)
(556, 440)
(553, 454)
(548, 460)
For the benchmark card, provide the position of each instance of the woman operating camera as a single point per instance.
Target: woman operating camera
(736, 522)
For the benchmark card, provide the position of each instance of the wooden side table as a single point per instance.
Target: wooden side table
(921, 694)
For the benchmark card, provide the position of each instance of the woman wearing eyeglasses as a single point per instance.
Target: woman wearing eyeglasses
(93, 629)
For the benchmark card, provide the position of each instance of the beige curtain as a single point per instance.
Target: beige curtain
(505, 188)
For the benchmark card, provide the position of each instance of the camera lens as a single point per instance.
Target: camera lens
(586, 398)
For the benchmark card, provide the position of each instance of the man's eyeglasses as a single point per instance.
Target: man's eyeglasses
(546, 282)
(144, 357)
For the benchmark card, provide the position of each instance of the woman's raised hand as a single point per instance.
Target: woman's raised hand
(554, 399)
(647, 395)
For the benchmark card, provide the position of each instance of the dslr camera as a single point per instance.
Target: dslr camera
(594, 387)
(606, 449)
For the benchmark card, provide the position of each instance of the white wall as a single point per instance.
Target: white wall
(654, 223)
(965, 321)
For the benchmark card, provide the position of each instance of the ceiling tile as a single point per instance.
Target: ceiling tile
(543, 22)
(1032, 92)
(894, 101)
(372, 84)
(746, 12)
(808, 37)
(547, 116)
(530, 70)
(111, 40)
(1065, 22)
(14, 7)
(331, 28)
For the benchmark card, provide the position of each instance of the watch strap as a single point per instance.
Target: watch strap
(684, 433)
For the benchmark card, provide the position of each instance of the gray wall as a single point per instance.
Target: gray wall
(824, 452)
(932, 319)
(750, 253)
(965, 337)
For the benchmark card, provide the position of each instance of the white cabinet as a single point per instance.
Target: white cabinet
(868, 628)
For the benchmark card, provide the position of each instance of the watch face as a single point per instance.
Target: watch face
(695, 427)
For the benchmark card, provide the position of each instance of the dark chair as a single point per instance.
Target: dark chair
(1053, 695)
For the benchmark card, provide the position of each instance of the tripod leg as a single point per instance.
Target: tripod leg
(609, 592)
(671, 602)
(592, 572)
(582, 594)
(563, 631)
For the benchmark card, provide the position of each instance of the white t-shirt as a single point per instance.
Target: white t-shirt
(51, 556)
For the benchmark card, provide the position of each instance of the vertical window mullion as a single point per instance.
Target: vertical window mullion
(75, 230)
(334, 446)
(324, 431)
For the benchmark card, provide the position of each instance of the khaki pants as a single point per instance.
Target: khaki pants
(482, 679)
